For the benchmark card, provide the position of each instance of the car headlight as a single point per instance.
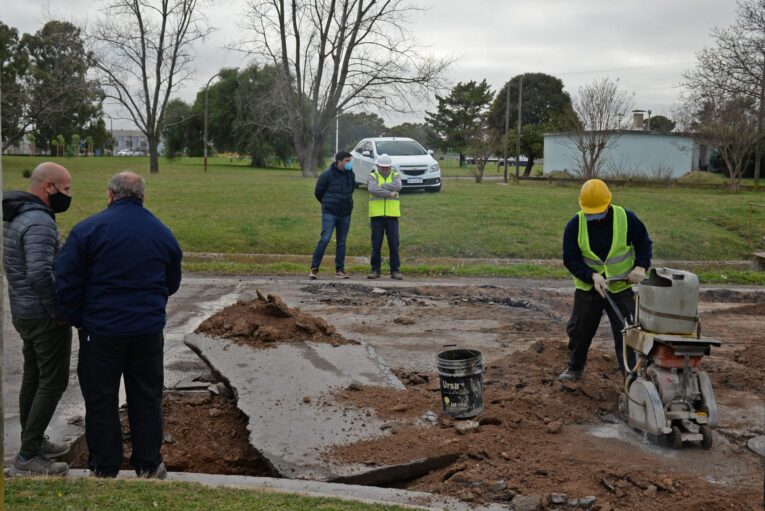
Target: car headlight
(435, 167)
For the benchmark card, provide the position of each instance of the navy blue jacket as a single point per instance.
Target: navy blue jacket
(116, 271)
(334, 189)
(601, 236)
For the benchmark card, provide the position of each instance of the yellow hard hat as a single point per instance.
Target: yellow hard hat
(594, 197)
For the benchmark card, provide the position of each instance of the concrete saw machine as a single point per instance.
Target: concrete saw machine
(666, 394)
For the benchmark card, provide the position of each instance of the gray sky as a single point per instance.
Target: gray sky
(646, 45)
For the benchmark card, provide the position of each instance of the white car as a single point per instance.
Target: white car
(125, 152)
(418, 168)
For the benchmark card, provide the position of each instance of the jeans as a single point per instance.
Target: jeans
(46, 349)
(329, 223)
(102, 361)
(385, 226)
(585, 320)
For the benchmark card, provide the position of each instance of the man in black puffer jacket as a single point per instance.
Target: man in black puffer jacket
(30, 245)
(334, 189)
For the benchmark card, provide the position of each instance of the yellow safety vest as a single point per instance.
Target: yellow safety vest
(620, 259)
(381, 206)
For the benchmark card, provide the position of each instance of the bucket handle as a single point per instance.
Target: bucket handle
(444, 346)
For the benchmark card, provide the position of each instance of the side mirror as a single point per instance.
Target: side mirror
(430, 152)
(366, 153)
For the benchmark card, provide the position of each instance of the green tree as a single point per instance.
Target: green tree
(545, 108)
(177, 129)
(420, 132)
(14, 61)
(458, 113)
(62, 99)
(662, 124)
(354, 127)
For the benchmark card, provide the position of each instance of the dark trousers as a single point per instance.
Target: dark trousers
(386, 226)
(47, 347)
(329, 223)
(102, 361)
(584, 322)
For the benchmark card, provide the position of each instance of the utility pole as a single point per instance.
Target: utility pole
(507, 122)
(518, 133)
(758, 150)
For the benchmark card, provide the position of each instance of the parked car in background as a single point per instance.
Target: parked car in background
(125, 152)
(418, 168)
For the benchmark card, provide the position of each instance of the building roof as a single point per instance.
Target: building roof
(629, 132)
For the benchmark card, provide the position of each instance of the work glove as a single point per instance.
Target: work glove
(637, 275)
(394, 195)
(600, 284)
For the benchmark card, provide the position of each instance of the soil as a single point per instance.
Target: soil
(203, 433)
(534, 440)
(267, 320)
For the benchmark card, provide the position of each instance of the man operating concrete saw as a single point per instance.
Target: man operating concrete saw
(601, 241)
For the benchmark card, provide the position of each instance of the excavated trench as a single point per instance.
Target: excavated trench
(537, 437)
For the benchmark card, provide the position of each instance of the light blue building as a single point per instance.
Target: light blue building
(633, 153)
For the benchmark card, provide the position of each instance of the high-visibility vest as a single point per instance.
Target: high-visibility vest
(620, 259)
(381, 206)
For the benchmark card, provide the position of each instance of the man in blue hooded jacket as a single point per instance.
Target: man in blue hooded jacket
(334, 189)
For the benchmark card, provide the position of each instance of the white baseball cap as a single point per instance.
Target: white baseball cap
(384, 161)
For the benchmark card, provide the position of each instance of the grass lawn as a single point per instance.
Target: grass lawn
(233, 208)
(110, 495)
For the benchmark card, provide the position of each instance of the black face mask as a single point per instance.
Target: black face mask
(59, 202)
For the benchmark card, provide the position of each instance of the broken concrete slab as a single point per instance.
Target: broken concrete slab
(279, 388)
(757, 444)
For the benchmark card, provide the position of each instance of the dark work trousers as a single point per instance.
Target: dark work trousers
(385, 226)
(46, 349)
(584, 322)
(102, 361)
(329, 223)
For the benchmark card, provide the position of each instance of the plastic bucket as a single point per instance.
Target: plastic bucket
(460, 372)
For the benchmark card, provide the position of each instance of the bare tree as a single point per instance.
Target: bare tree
(601, 110)
(734, 67)
(143, 50)
(338, 56)
(728, 123)
(482, 142)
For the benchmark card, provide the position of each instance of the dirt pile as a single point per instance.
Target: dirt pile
(267, 320)
(203, 433)
(532, 440)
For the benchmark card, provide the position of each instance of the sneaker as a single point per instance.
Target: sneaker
(342, 275)
(396, 275)
(38, 466)
(158, 473)
(53, 450)
(373, 275)
(314, 274)
(570, 375)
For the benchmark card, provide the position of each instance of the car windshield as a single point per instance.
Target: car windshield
(400, 148)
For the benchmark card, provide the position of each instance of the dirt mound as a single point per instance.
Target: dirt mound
(267, 320)
(202, 433)
(532, 439)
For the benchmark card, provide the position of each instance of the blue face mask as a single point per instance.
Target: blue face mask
(597, 216)
(348, 165)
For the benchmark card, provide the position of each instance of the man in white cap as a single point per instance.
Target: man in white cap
(384, 185)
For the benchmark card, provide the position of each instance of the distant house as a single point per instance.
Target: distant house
(635, 152)
(133, 140)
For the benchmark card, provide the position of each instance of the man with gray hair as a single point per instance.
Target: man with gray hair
(31, 243)
(113, 278)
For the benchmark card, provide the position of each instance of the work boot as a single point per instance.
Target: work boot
(570, 375)
(396, 275)
(53, 450)
(342, 275)
(314, 274)
(158, 473)
(373, 275)
(38, 466)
